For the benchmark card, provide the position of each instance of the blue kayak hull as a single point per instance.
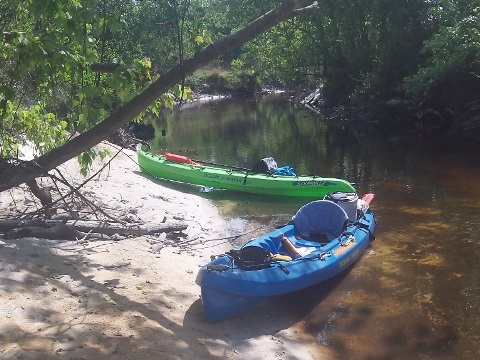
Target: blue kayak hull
(219, 305)
(228, 290)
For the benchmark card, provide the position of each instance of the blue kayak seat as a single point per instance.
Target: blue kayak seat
(321, 217)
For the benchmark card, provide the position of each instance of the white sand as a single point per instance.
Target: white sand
(134, 298)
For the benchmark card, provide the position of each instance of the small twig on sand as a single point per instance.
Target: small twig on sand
(83, 239)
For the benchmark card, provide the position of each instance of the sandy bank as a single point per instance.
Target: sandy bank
(133, 298)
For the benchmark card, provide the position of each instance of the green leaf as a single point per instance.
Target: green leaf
(22, 39)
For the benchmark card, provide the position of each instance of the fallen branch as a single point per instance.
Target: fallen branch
(57, 232)
(78, 229)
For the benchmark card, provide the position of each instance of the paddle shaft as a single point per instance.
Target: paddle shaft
(222, 165)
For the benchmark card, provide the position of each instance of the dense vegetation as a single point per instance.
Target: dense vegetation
(66, 64)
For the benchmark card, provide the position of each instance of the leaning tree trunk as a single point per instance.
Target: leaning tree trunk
(27, 171)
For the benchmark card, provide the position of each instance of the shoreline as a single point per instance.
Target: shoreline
(134, 297)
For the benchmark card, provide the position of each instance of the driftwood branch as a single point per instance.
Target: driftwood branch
(77, 229)
(72, 228)
(49, 204)
(41, 193)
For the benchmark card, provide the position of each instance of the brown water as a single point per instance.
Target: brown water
(415, 294)
(418, 295)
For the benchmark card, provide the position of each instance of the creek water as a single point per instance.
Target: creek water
(415, 294)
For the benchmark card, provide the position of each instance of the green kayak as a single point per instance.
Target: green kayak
(181, 168)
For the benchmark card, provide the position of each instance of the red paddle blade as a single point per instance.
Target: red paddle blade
(368, 198)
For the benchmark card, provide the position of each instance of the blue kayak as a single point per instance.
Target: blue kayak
(325, 240)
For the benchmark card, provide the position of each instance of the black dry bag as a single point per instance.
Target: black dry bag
(251, 257)
(265, 166)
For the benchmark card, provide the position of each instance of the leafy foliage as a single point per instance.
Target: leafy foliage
(454, 49)
(38, 127)
(49, 87)
(283, 55)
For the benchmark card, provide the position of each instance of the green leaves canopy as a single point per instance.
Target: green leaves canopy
(454, 50)
(47, 52)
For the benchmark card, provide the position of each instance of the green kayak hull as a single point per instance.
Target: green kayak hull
(223, 177)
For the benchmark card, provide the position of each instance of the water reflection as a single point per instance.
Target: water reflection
(416, 295)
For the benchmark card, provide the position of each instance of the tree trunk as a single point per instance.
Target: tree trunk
(27, 171)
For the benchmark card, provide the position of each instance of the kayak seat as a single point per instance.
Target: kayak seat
(321, 219)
